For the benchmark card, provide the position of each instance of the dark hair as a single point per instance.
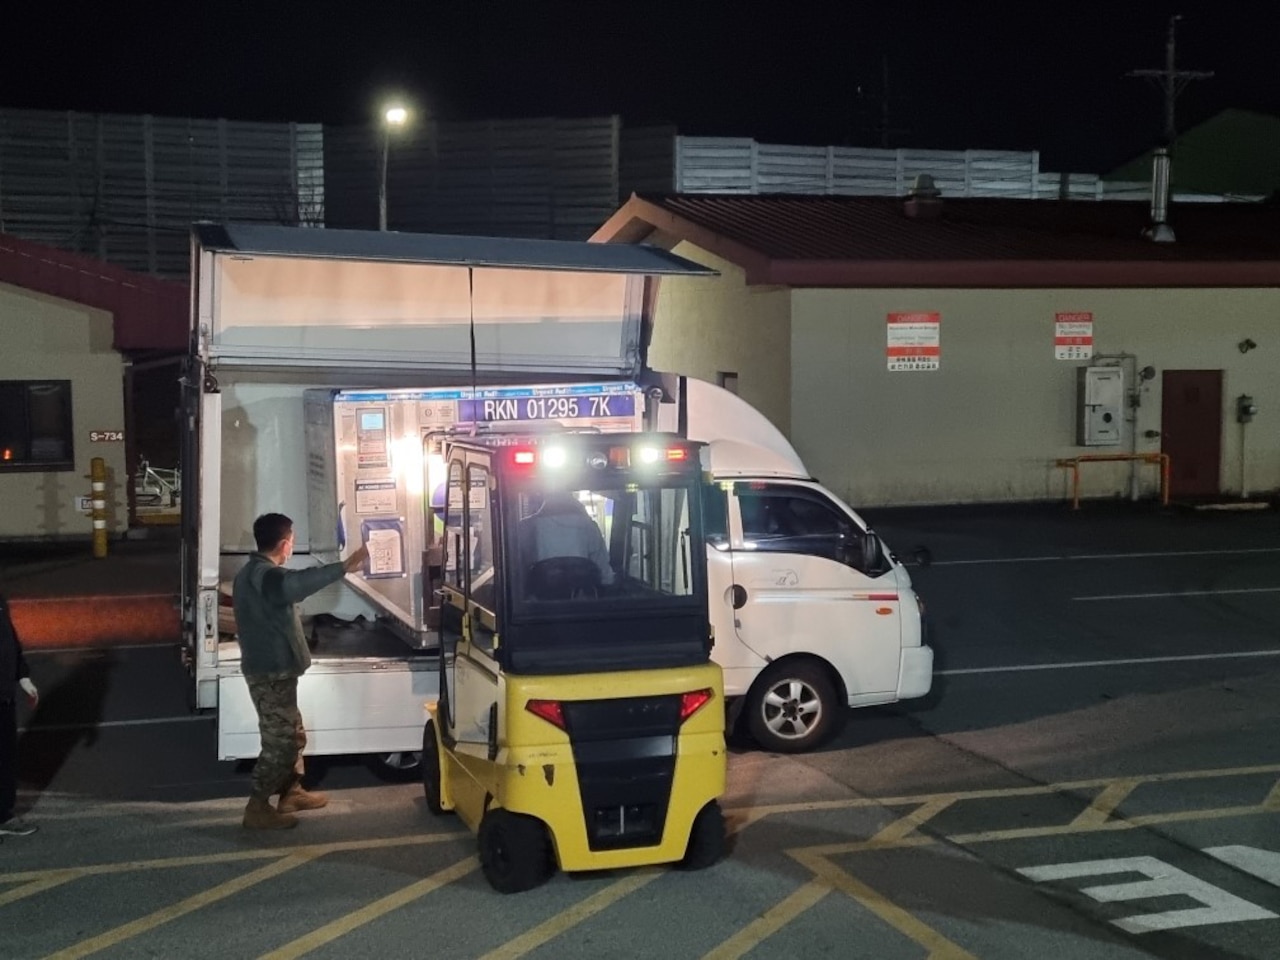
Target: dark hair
(270, 529)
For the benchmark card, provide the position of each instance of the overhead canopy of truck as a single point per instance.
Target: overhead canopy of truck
(289, 296)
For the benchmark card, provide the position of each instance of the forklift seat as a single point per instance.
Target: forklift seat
(564, 578)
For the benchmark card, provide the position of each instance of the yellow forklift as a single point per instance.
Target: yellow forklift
(580, 720)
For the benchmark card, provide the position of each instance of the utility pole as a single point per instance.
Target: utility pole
(1171, 80)
(882, 126)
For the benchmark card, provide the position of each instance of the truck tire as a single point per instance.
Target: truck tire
(401, 767)
(431, 770)
(515, 853)
(706, 838)
(792, 707)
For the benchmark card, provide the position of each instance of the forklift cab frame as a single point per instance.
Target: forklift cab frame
(580, 719)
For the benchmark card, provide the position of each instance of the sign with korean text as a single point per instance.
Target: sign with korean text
(1072, 336)
(914, 341)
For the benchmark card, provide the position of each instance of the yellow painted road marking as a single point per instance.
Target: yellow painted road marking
(1070, 786)
(258, 853)
(358, 918)
(905, 826)
(128, 931)
(576, 914)
(39, 886)
(1105, 803)
(1273, 798)
(1146, 820)
(770, 922)
(939, 947)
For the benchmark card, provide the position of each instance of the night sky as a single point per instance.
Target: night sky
(1035, 75)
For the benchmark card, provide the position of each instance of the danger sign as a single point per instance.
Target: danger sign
(914, 341)
(1072, 336)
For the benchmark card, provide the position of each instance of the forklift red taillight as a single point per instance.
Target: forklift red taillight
(692, 702)
(549, 710)
(677, 454)
(523, 458)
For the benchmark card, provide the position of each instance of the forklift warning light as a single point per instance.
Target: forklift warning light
(620, 457)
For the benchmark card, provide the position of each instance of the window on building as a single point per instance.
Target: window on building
(728, 380)
(35, 425)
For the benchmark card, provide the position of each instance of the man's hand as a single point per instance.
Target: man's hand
(29, 688)
(356, 560)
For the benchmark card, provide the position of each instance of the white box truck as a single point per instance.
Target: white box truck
(328, 369)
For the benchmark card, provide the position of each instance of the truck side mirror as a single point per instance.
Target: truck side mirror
(870, 552)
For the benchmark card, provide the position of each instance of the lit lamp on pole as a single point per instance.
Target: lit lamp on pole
(393, 116)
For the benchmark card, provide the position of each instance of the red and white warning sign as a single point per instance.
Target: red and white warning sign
(1072, 336)
(914, 341)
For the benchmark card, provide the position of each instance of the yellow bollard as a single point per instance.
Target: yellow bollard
(98, 474)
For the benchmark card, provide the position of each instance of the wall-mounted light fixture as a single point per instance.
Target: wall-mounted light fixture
(1246, 345)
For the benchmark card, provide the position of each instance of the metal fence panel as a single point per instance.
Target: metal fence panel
(547, 177)
(127, 187)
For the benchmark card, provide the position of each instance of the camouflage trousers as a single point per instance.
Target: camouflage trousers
(283, 737)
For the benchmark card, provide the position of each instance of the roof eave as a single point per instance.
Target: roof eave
(1013, 274)
(637, 211)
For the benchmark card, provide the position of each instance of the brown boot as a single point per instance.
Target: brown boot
(259, 815)
(295, 799)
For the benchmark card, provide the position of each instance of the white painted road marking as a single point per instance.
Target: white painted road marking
(1165, 881)
(149, 721)
(1262, 864)
(1055, 558)
(1117, 662)
(1180, 593)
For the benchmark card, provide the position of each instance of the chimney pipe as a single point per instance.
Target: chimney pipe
(1160, 231)
(924, 201)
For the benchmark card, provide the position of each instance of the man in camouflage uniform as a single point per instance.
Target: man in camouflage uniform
(273, 655)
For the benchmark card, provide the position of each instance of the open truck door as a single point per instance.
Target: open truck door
(283, 320)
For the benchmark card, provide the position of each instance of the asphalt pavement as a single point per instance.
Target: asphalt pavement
(1096, 774)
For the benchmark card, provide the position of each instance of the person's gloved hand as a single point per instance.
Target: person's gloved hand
(29, 688)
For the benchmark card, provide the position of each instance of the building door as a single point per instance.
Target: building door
(1191, 431)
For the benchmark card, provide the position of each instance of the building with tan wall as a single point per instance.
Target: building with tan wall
(73, 333)
(930, 350)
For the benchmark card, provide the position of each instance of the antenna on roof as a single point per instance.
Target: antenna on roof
(1171, 80)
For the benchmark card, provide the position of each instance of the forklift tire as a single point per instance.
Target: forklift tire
(793, 707)
(431, 770)
(706, 838)
(515, 853)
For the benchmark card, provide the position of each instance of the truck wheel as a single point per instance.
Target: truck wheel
(515, 853)
(706, 838)
(431, 769)
(792, 707)
(402, 767)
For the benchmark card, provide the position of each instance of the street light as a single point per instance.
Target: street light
(394, 116)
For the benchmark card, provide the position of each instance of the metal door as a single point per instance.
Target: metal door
(1191, 431)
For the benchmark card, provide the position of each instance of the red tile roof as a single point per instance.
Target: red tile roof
(147, 314)
(976, 242)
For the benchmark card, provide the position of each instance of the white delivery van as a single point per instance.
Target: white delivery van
(325, 384)
(812, 611)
